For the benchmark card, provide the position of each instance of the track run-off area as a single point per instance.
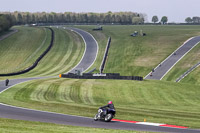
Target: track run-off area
(13, 112)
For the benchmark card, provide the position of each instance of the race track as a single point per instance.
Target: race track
(12, 112)
(164, 67)
(91, 51)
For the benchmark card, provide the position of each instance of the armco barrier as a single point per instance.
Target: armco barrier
(105, 56)
(37, 61)
(187, 72)
(104, 76)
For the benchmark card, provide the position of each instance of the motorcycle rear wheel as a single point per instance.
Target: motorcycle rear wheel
(108, 117)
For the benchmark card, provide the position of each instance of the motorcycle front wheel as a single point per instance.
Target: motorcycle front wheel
(96, 117)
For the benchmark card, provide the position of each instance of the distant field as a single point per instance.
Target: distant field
(16, 126)
(156, 101)
(138, 55)
(20, 50)
(66, 52)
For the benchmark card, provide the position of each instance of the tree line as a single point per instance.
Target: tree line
(5, 22)
(163, 20)
(194, 20)
(71, 17)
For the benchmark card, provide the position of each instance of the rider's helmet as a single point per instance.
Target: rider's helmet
(109, 102)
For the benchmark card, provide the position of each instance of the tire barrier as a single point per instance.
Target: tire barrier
(37, 61)
(105, 56)
(101, 76)
(187, 72)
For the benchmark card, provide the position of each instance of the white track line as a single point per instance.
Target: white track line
(42, 111)
(47, 77)
(170, 55)
(179, 60)
(85, 49)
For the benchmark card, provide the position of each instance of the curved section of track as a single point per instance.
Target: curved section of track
(164, 67)
(12, 112)
(91, 51)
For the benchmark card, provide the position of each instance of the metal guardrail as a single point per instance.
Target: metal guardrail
(187, 72)
(36, 62)
(105, 56)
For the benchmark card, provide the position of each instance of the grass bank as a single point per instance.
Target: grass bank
(156, 101)
(66, 52)
(138, 55)
(20, 50)
(183, 65)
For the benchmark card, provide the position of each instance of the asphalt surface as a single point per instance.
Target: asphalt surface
(90, 53)
(48, 117)
(163, 68)
(12, 112)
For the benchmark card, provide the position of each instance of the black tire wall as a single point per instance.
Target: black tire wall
(38, 59)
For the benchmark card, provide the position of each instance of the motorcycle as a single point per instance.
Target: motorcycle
(105, 114)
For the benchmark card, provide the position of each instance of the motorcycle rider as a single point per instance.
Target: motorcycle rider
(110, 105)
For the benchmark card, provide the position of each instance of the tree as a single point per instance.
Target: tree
(33, 18)
(137, 20)
(164, 19)
(19, 18)
(188, 20)
(155, 19)
(196, 20)
(71, 17)
(27, 18)
(5, 22)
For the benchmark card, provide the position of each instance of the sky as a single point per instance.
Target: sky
(175, 10)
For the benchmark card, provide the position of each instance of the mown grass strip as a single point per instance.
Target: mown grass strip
(169, 102)
(16, 49)
(66, 53)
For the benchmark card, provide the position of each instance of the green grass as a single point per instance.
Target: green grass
(138, 55)
(65, 54)
(193, 77)
(183, 65)
(156, 101)
(20, 50)
(19, 126)
(101, 39)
